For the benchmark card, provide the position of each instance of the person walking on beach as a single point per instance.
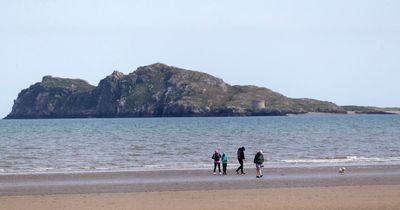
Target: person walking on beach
(217, 161)
(241, 158)
(224, 163)
(259, 160)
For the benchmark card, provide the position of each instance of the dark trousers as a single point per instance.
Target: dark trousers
(240, 167)
(224, 166)
(219, 166)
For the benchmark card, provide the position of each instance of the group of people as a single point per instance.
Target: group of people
(218, 158)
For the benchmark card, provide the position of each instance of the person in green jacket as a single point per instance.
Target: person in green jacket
(224, 162)
(259, 160)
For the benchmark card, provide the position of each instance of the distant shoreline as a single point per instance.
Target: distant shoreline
(186, 116)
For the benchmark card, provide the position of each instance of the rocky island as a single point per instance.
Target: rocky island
(156, 90)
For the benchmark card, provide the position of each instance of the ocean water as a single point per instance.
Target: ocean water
(75, 145)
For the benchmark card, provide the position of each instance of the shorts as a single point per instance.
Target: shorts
(259, 166)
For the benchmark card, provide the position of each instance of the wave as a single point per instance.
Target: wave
(344, 159)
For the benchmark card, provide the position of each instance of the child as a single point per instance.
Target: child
(224, 162)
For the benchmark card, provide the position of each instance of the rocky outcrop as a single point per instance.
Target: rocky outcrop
(156, 90)
(52, 97)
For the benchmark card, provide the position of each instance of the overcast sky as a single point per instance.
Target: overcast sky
(344, 51)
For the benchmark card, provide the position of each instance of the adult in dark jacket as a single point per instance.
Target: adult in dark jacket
(217, 161)
(241, 158)
(259, 160)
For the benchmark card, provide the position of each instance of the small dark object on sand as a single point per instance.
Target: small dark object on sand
(342, 170)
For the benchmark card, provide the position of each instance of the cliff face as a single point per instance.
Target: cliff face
(155, 90)
(53, 96)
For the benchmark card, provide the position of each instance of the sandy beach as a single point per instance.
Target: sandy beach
(362, 187)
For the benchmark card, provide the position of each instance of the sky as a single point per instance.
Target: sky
(344, 51)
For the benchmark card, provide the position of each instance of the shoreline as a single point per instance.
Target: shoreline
(194, 180)
(232, 166)
(341, 161)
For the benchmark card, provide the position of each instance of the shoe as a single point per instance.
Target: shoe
(243, 173)
(257, 176)
(237, 172)
(214, 173)
(220, 173)
(261, 176)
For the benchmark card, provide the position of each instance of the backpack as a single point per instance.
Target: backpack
(216, 156)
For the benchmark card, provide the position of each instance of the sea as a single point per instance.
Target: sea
(140, 144)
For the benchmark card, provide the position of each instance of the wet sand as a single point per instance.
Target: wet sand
(362, 187)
